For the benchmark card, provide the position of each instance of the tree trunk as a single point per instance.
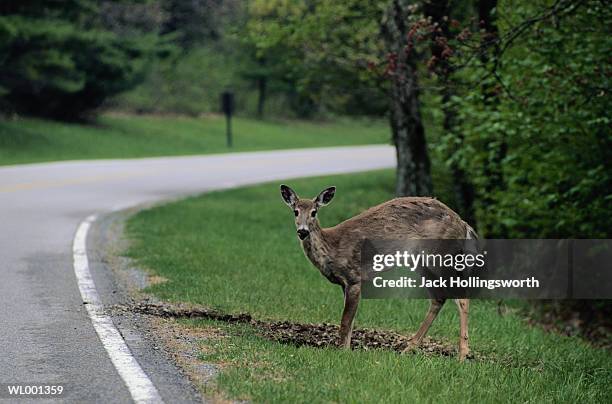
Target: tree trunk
(413, 165)
(485, 16)
(438, 11)
(262, 84)
(493, 167)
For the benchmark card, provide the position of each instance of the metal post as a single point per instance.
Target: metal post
(228, 126)
(227, 106)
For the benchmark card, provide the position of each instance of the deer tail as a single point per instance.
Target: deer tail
(470, 233)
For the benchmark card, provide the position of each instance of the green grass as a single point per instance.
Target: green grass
(237, 251)
(112, 136)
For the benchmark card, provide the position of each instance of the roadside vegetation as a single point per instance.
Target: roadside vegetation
(498, 107)
(236, 251)
(30, 140)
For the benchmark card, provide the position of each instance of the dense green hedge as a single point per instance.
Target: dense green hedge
(551, 123)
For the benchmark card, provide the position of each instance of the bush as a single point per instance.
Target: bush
(551, 124)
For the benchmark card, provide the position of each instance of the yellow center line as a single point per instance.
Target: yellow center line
(73, 181)
(235, 167)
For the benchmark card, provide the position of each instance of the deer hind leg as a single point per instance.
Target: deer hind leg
(464, 306)
(352, 295)
(434, 308)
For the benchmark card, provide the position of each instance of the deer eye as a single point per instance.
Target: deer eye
(313, 213)
(296, 212)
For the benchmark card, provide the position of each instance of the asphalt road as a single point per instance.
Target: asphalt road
(46, 335)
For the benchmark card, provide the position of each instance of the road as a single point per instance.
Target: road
(46, 335)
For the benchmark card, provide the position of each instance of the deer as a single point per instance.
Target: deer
(335, 251)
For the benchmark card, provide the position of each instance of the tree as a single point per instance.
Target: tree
(493, 170)
(352, 57)
(413, 165)
(547, 108)
(265, 47)
(440, 17)
(311, 53)
(59, 61)
(194, 23)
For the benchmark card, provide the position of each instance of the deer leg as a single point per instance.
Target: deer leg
(352, 294)
(464, 306)
(434, 308)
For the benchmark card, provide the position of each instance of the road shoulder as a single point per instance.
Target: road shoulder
(164, 348)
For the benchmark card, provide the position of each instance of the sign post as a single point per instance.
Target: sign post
(227, 106)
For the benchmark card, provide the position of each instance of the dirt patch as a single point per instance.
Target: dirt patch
(298, 334)
(156, 279)
(326, 335)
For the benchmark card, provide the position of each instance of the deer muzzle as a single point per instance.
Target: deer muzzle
(303, 233)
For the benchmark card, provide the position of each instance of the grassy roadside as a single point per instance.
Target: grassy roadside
(236, 251)
(113, 136)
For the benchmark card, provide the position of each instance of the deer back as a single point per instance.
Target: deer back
(397, 219)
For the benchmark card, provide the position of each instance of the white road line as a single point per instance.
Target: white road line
(138, 383)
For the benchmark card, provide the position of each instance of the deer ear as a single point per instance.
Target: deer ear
(288, 195)
(325, 196)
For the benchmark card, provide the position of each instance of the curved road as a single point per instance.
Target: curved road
(46, 335)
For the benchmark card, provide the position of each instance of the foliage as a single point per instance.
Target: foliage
(311, 58)
(552, 113)
(215, 54)
(269, 58)
(191, 23)
(188, 84)
(324, 48)
(58, 60)
(537, 112)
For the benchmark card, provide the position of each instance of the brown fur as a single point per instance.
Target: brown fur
(335, 251)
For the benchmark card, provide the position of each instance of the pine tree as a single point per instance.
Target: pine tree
(58, 60)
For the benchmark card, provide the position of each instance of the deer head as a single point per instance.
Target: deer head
(305, 210)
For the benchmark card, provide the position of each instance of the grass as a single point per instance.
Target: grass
(113, 136)
(236, 251)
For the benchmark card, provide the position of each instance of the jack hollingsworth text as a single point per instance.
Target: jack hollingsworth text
(455, 282)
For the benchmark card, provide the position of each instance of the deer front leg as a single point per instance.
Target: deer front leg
(352, 294)
(464, 306)
(434, 308)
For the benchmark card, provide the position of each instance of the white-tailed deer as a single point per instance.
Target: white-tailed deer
(335, 251)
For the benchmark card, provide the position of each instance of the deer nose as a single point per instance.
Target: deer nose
(303, 233)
